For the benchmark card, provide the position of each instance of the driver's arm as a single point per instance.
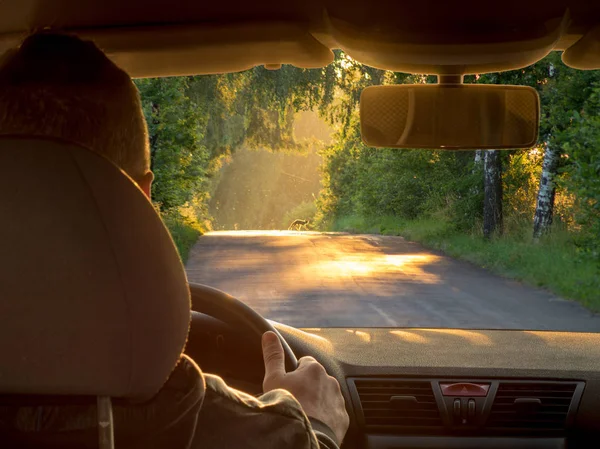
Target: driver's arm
(303, 409)
(232, 419)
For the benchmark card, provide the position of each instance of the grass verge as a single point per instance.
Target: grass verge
(185, 232)
(553, 263)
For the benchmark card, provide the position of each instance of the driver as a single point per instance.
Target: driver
(60, 87)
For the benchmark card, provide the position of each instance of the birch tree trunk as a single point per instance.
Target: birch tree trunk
(477, 167)
(544, 208)
(478, 158)
(492, 203)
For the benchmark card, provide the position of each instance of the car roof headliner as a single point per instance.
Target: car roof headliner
(165, 38)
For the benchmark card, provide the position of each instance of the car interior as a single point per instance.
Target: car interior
(404, 387)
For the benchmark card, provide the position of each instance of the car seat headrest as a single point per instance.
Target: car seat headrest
(93, 296)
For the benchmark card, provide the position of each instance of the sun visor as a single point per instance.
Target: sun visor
(182, 50)
(448, 51)
(158, 51)
(585, 53)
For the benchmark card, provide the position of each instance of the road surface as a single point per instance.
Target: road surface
(310, 279)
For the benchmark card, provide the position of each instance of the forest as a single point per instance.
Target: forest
(530, 214)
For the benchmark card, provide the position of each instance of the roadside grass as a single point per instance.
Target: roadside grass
(553, 263)
(184, 231)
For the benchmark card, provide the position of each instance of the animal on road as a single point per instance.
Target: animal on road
(298, 224)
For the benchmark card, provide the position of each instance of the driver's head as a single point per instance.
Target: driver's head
(58, 86)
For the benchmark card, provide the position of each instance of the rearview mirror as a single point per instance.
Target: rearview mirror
(453, 116)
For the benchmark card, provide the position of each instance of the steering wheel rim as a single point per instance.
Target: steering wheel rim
(230, 310)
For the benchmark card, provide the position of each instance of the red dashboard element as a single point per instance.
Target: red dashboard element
(465, 389)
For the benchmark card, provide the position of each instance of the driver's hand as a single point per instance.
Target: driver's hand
(318, 393)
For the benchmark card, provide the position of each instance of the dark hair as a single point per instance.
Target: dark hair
(57, 85)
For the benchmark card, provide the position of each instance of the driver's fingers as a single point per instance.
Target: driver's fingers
(273, 356)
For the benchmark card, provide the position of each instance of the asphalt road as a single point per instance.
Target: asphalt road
(309, 279)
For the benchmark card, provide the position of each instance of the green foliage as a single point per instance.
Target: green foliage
(184, 231)
(583, 150)
(404, 183)
(178, 157)
(412, 184)
(194, 122)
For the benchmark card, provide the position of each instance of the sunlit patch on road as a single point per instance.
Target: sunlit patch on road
(411, 266)
(261, 233)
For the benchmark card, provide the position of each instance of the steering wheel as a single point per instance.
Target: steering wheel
(232, 311)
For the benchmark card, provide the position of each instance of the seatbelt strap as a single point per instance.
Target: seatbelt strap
(106, 439)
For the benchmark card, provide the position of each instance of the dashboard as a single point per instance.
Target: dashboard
(436, 388)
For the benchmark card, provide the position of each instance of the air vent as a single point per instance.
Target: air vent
(397, 403)
(532, 405)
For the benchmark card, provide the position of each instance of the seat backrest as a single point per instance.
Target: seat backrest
(93, 296)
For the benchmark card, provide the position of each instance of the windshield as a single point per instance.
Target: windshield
(271, 196)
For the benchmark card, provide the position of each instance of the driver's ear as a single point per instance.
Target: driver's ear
(146, 183)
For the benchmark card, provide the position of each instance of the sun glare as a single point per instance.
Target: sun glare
(411, 337)
(364, 336)
(473, 337)
(412, 266)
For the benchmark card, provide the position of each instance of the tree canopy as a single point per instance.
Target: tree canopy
(195, 122)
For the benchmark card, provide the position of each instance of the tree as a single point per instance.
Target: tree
(492, 204)
(178, 158)
(582, 147)
(544, 209)
(563, 91)
(493, 219)
(194, 121)
(477, 169)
